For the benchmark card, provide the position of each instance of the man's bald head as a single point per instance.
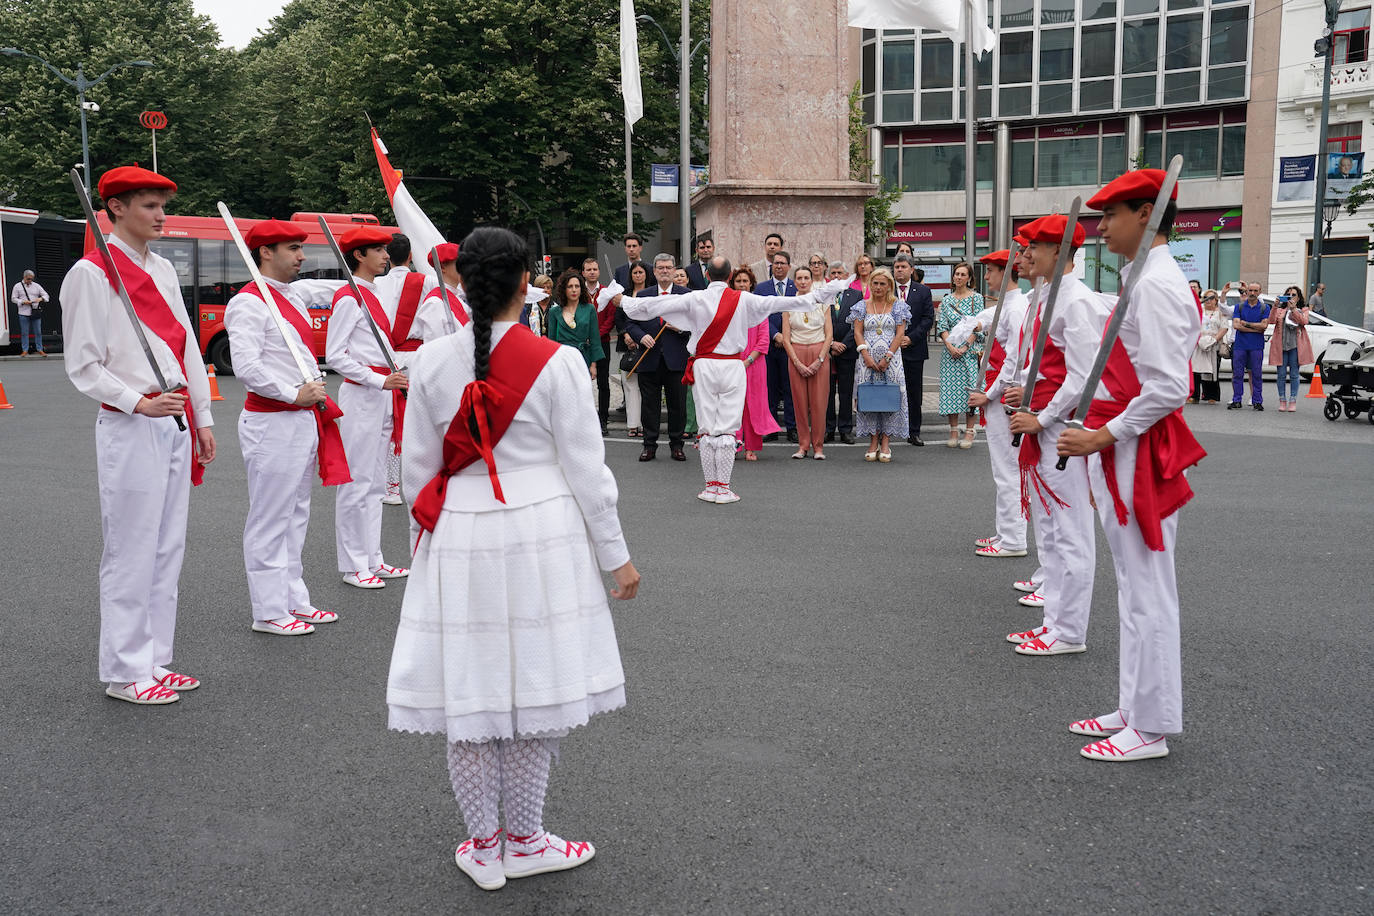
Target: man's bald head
(718, 269)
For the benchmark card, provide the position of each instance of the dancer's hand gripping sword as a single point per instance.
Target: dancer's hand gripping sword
(104, 249)
(1123, 302)
(1065, 245)
(362, 303)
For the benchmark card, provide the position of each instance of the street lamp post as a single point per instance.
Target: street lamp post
(1325, 48)
(81, 85)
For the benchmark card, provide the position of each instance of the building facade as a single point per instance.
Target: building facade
(1345, 252)
(1075, 92)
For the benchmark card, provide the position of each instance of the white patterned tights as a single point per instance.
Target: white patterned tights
(513, 772)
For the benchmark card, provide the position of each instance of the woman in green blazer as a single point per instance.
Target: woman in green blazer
(572, 318)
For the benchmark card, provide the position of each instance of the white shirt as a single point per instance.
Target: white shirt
(556, 426)
(1159, 332)
(1009, 336)
(349, 345)
(101, 352)
(1076, 329)
(695, 310)
(434, 318)
(25, 292)
(263, 359)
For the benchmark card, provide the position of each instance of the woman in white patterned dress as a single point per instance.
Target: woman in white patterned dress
(880, 322)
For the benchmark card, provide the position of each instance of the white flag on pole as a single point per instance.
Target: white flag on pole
(945, 16)
(629, 63)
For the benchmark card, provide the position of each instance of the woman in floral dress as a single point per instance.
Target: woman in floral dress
(880, 321)
(959, 361)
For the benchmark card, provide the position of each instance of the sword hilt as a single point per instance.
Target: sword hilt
(1016, 440)
(1063, 461)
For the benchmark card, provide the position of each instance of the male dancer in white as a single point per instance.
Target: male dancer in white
(145, 464)
(1010, 540)
(431, 322)
(351, 350)
(1065, 537)
(278, 432)
(1146, 445)
(717, 340)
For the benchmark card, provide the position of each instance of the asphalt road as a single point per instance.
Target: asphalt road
(823, 714)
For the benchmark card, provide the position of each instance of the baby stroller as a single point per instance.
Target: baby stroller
(1348, 379)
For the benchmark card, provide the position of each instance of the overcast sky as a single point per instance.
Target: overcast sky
(239, 20)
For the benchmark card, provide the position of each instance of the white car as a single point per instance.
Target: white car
(1320, 331)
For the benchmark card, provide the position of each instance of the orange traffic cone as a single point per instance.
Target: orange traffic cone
(214, 385)
(4, 401)
(1314, 390)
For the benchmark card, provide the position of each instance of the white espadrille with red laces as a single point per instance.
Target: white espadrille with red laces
(173, 681)
(987, 541)
(363, 580)
(708, 495)
(315, 615)
(543, 852)
(997, 550)
(725, 495)
(1027, 635)
(1127, 744)
(390, 572)
(480, 859)
(287, 626)
(1050, 645)
(143, 693)
(1025, 585)
(1100, 727)
(1034, 599)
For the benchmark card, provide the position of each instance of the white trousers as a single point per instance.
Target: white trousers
(1066, 543)
(1006, 478)
(366, 431)
(144, 470)
(719, 396)
(1150, 679)
(279, 455)
(632, 396)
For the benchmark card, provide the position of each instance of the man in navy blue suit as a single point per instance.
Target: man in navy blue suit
(914, 349)
(696, 271)
(779, 384)
(634, 247)
(839, 412)
(660, 370)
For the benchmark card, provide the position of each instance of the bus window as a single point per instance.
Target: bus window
(320, 264)
(210, 282)
(236, 274)
(181, 252)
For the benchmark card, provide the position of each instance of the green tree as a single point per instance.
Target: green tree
(40, 131)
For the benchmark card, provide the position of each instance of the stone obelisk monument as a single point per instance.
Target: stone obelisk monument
(779, 113)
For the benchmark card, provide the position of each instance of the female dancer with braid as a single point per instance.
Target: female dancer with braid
(505, 641)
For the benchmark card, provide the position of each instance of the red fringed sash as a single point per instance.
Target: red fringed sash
(493, 402)
(154, 311)
(1053, 371)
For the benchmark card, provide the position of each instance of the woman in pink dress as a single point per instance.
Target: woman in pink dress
(758, 419)
(862, 268)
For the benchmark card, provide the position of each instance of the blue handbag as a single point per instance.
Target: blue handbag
(878, 397)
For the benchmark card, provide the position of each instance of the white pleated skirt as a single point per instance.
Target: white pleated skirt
(505, 629)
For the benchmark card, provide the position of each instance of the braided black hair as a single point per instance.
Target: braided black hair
(491, 262)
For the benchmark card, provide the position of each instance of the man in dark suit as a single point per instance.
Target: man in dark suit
(779, 383)
(634, 247)
(914, 349)
(839, 412)
(660, 371)
(696, 271)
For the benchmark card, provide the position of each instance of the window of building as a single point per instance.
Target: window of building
(1098, 50)
(1113, 157)
(1352, 36)
(1200, 151)
(1015, 51)
(1344, 138)
(1099, 9)
(1067, 162)
(1057, 12)
(1017, 13)
(1023, 163)
(1233, 150)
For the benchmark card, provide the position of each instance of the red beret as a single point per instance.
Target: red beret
(272, 231)
(1020, 239)
(448, 251)
(363, 237)
(1051, 229)
(997, 258)
(1142, 184)
(132, 178)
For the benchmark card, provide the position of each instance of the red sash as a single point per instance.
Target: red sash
(330, 454)
(454, 303)
(411, 286)
(154, 311)
(710, 338)
(1163, 452)
(398, 401)
(373, 305)
(484, 415)
(1053, 371)
(398, 407)
(996, 358)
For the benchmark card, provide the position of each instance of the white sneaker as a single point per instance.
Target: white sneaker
(707, 495)
(1025, 585)
(143, 693)
(393, 499)
(1034, 599)
(542, 853)
(726, 495)
(997, 550)
(1049, 645)
(1103, 727)
(480, 860)
(1126, 745)
(363, 580)
(287, 626)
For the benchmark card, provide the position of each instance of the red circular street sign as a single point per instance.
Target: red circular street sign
(153, 120)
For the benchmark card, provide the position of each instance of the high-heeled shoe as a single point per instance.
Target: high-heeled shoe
(953, 438)
(799, 453)
(885, 457)
(968, 439)
(870, 456)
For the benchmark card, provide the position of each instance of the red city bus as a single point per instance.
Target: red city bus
(211, 271)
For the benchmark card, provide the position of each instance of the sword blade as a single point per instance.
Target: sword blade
(1066, 244)
(449, 323)
(358, 297)
(104, 249)
(307, 376)
(997, 313)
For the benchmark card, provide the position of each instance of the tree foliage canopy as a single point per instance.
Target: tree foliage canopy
(506, 110)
